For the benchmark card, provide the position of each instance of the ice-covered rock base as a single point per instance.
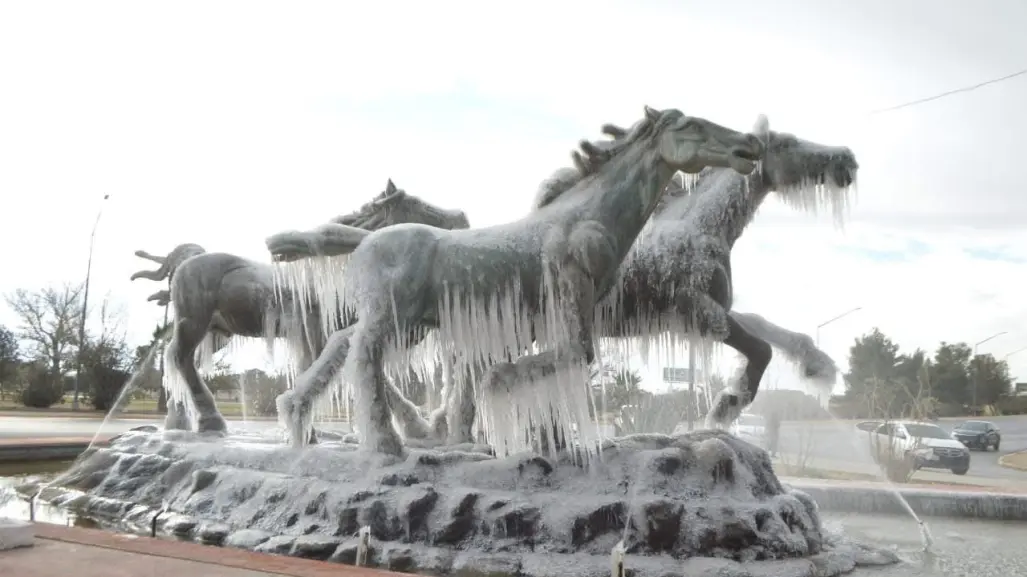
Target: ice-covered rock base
(703, 503)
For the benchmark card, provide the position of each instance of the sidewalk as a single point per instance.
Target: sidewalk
(957, 482)
(61, 551)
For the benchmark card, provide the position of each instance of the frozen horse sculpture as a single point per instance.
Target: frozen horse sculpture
(792, 168)
(490, 291)
(219, 295)
(678, 278)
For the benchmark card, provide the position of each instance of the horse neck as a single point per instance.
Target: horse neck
(631, 186)
(724, 203)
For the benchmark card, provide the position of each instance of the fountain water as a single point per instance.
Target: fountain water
(925, 532)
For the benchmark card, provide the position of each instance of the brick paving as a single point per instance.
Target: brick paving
(63, 551)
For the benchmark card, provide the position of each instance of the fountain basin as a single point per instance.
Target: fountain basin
(697, 504)
(867, 498)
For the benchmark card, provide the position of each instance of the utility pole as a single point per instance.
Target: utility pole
(976, 367)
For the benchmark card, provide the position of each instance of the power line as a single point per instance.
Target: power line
(950, 92)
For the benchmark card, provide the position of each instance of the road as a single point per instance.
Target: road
(25, 427)
(842, 441)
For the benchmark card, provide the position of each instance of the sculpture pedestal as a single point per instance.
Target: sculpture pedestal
(695, 504)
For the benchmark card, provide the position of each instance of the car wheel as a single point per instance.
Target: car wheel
(996, 444)
(961, 471)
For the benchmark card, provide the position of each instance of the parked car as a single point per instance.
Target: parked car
(751, 428)
(978, 435)
(925, 445)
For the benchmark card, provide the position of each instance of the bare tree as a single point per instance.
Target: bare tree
(105, 359)
(10, 361)
(805, 446)
(49, 325)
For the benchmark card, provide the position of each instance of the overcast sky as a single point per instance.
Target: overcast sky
(221, 123)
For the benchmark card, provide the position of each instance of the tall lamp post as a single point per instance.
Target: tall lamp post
(831, 320)
(824, 324)
(976, 371)
(1007, 355)
(85, 307)
(1019, 350)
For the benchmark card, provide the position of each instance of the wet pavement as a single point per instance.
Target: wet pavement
(961, 547)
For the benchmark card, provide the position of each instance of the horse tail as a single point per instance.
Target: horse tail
(330, 239)
(341, 238)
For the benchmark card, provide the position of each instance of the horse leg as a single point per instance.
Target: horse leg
(575, 305)
(743, 387)
(459, 404)
(295, 406)
(438, 420)
(313, 346)
(798, 348)
(189, 335)
(405, 411)
(177, 418)
(364, 368)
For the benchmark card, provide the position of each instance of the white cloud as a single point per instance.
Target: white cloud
(222, 123)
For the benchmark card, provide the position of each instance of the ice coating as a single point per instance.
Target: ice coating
(493, 293)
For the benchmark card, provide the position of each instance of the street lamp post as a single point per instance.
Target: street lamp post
(831, 320)
(827, 322)
(85, 308)
(1019, 350)
(977, 369)
(1007, 355)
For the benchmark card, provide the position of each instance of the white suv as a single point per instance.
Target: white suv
(926, 445)
(751, 428)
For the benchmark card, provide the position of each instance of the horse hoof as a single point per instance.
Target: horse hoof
(294, 419)
(212, 425)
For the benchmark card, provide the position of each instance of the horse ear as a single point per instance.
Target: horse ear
(390, 188)
(614, 131)
(762, 126)
(651, 113)
(590, 150)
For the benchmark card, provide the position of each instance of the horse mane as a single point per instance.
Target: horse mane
(590, 156)
(369, 208)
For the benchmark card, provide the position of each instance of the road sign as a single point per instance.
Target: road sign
(677, 375)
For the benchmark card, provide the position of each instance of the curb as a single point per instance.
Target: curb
(53, 449)
(96, 415)
(926, 502)
(1004, 462)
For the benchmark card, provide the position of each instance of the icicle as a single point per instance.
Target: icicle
(811, 196)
